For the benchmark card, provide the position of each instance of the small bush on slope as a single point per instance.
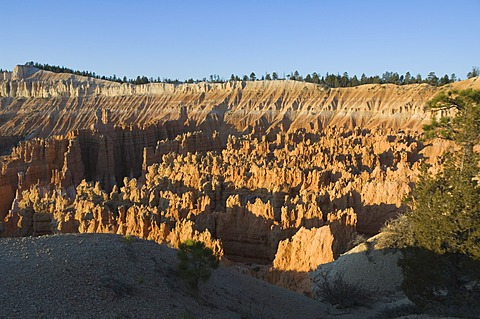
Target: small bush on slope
(195, 262)
(336, 291)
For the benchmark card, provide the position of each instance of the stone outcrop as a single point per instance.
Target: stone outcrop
(367, 266)
(308, 248)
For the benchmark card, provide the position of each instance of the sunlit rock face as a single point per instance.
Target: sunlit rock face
(279, 175)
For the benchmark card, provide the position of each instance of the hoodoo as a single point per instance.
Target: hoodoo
(278, 175)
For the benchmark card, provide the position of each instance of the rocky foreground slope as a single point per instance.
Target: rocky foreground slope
(108, 276)
(278, 175)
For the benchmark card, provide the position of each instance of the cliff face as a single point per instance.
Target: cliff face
(280, 174)
(256, 201)
(37, 103)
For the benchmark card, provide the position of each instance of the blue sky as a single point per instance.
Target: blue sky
(183, 39)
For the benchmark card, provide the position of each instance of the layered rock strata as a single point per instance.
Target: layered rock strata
(278, 175)
(256, 201)
(37, 103)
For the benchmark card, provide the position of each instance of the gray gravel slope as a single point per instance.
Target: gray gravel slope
(107, 276)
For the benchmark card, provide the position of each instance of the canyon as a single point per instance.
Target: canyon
(276, 177)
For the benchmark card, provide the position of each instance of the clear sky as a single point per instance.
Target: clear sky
(185, 38)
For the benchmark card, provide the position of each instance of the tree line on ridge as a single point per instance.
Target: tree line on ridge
(328, 80)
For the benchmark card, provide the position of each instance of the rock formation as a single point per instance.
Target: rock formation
(368, 266)
(39, 103)
(278, 175)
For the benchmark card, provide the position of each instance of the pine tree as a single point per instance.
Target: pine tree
(408, 78)
(474, 72)
(432, 79)
(195, 262)
(444, 215)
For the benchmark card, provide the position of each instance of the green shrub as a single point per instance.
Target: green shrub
(128, 239)
(396, 233)
(195, 262)
(358, 239)
(336, 291)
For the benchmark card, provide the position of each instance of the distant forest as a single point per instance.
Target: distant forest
(329, 80)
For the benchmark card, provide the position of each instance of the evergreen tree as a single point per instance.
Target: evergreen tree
(354, 81)
(395, 79)
(444, 80)
(418, 79)
(376, 80)
(363, 79)
(386, 77)
(408, 78)
(432, 79)
(296, 76)
(344, 80)
(444, 215)
(474, 72)
(195, 262)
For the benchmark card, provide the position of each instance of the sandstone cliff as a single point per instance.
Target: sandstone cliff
(39, 103)
(256, 201)
(279, 175)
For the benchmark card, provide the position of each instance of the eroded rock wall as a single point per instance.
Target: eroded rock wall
(255, 202)
(277, 175)
(40, 103)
